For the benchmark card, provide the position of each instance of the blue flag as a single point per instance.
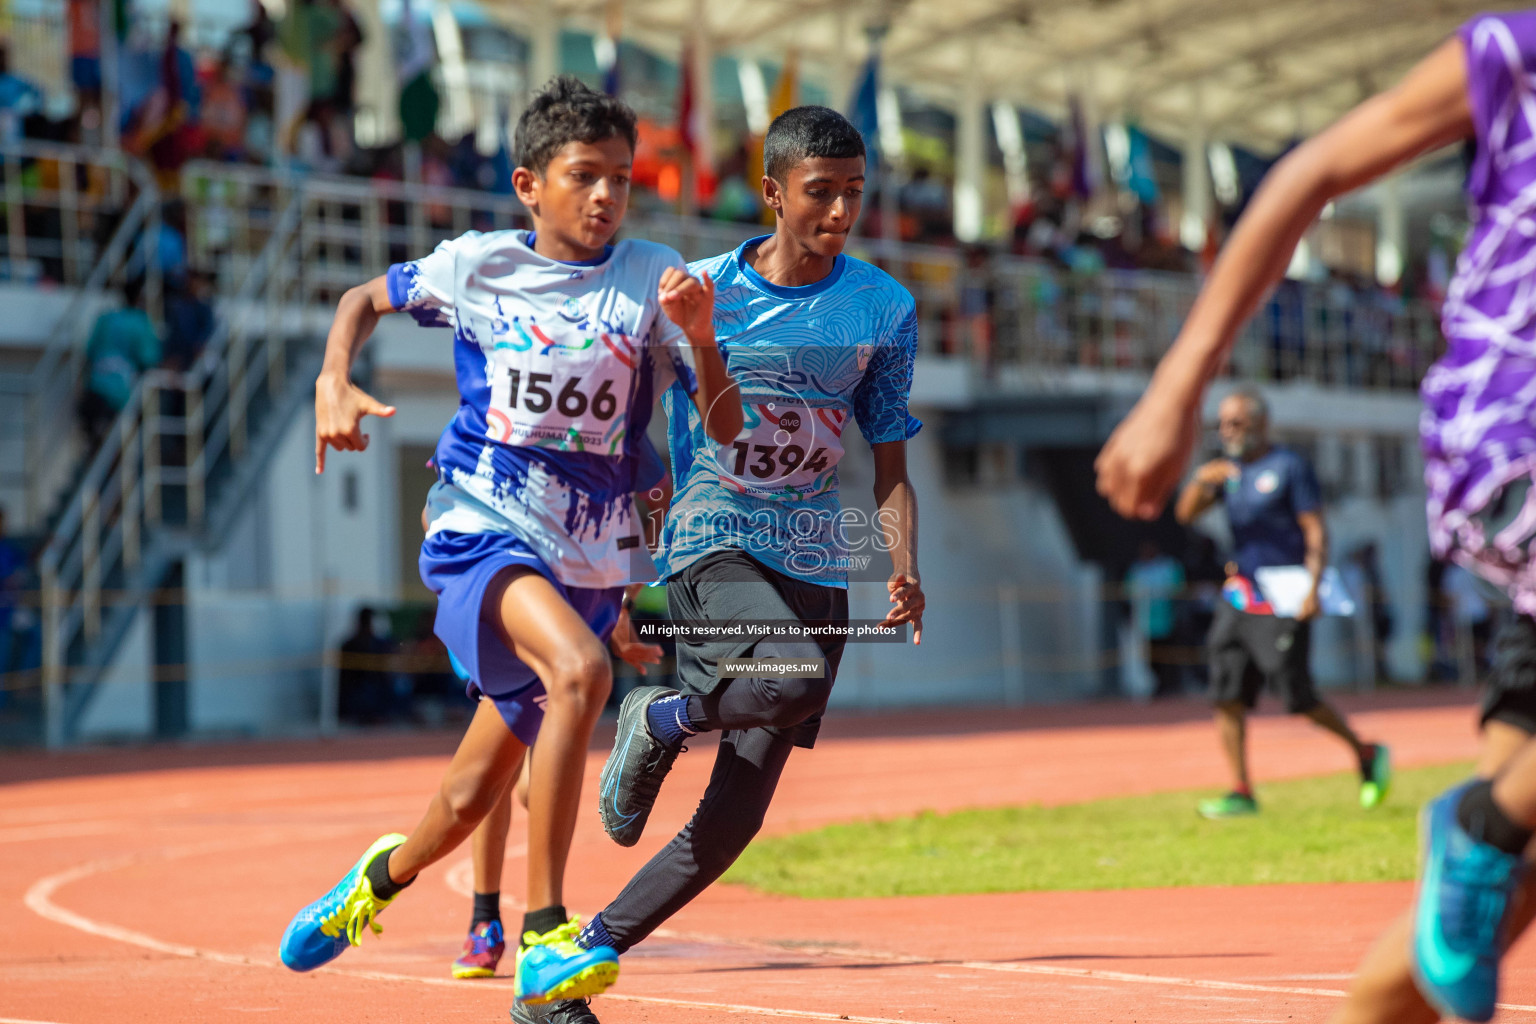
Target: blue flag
(865, 114)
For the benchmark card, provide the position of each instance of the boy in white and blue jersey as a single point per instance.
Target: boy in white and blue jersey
(561, 342)
(755, 531)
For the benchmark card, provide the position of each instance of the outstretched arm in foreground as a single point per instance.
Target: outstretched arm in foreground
(341, 405)
(1147, 453)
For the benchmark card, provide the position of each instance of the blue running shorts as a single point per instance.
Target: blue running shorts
(459, 567)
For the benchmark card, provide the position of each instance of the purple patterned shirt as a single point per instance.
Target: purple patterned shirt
(1478, 429)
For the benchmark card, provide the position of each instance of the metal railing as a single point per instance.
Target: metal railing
(92, 238)
(1125, 320)
(175, 432)
(56, 200)
(1010, 311)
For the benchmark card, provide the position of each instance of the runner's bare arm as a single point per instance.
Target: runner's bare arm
(341, 405)
(690, 303)
(1144, 457)
(898, 524)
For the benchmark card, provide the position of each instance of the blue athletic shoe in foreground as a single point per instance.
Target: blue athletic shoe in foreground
(321, 931)
(551, 966)
(1461, 909)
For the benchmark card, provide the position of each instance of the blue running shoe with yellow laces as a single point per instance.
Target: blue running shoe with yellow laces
(552, 966)
(321, 931)
(1461, 913)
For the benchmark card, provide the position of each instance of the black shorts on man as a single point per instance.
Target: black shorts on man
(1248, 652)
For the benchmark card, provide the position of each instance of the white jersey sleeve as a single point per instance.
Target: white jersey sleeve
(427, 288)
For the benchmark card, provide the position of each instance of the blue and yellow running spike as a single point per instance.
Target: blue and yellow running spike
(552, 966)
(323, 930)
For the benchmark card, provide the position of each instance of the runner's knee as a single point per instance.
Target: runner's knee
(468, 797)
(794, 699)
(580, 679)
(799, 699)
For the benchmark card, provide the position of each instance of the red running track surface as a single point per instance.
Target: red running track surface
(152, 885)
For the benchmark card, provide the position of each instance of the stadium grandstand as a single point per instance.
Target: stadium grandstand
(188, 186)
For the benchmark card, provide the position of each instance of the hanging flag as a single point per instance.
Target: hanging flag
(785, 95)
(693, 131)
(419, 101)
(786, 90)
(865, 113)
(606, 46)
(1078, 154)
(1140, 180)
(685, 99)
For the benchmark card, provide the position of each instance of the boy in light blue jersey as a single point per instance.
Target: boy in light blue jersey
(561, 342)
(756, 530)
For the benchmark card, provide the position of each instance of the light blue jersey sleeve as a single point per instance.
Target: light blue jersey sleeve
(880, 401)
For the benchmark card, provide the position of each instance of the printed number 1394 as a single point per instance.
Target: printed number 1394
(771, 457)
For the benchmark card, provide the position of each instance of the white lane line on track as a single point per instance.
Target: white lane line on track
(39, 900)
(461, 880)
(25, 1020)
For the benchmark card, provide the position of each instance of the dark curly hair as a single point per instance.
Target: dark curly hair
(567, 111)
(803, 132)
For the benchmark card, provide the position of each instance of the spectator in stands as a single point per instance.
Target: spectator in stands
(189, 321)
(366, 688)
(163, 128)
(85, 51)
(123, 344)
(332, 38)
(1154, 584)
(19, 98)
(978, 297)
(224, 120)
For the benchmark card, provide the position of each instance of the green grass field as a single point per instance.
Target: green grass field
(1309, 830)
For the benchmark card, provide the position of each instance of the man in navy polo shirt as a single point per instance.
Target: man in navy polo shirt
(1275, 513)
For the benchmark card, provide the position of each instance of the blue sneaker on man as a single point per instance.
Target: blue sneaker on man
(1461, 912)
(553, 967)
(321, 931)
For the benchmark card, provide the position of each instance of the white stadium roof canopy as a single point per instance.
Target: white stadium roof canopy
(1257, 72)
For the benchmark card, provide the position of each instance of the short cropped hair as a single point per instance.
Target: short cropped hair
(1257, 404)
(803, 132)
(566, 111)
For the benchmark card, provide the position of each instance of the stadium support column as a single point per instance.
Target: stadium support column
(544, 45)
(971, 152)
(170, 654)
(1391, 232)
(1195, 222)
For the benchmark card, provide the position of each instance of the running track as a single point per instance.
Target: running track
(151, 885)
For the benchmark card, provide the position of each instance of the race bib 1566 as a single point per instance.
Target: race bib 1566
(559, 388)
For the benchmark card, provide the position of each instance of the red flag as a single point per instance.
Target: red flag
(685, 102)
(691, 132)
